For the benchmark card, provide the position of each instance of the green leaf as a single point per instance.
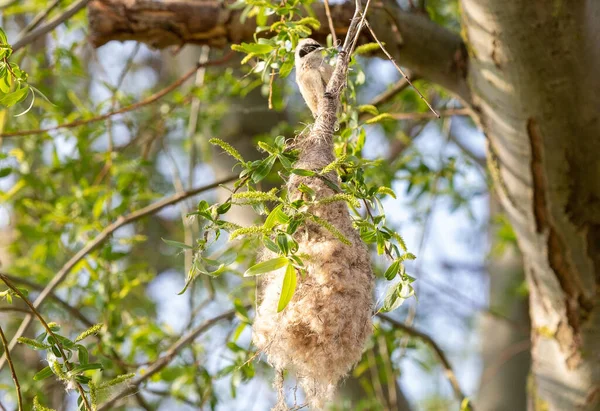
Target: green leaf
(266, 266)
(276, 216)
(305, 173)
(288, 288)
(3, 38)
(43, 374)
(83, 354)
(178, 244)
(393, 298)
(263, 169)
(13, 98)
(86, 367)
(392, 270)
(5, 171)
(223, 208)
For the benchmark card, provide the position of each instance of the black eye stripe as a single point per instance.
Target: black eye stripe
(309, 48)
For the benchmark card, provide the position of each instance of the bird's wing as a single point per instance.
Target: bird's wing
(326, 71)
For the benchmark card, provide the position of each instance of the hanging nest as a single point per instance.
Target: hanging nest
(322, 332)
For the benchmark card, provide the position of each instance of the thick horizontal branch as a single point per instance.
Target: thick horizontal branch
(423, 46)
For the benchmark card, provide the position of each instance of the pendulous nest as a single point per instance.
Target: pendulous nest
(322, 332)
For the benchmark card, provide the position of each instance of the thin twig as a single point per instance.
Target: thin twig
(330, 22)
(151, 99)
(167, 358)
(39, 18)
(363, 21)
(13, 373)
(65, 305)
(99, 239)
(10, 285)
(178, 397)
(389, 56)
(468, 152)
(436, 348)
(425, 115)
(387, 95)
(51, 25)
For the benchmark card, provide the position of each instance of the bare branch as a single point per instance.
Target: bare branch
(149, 100)
(51, 25)
(13, 373)
(39, 18)
(67, 307)
(163, 361)
(330, 22)
(399, 69)
(426, 115)
(101, 238)
(436, 348)
(50, 332)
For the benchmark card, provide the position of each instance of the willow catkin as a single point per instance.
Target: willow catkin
(322, 332)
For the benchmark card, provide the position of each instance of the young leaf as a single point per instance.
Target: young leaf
(13, 98)
(276, 216)
(304, 173)
(178, 244)
(266, 266)
(392, 270)
(83, 355)
(288, 288)
(86, 367)
(43, 374)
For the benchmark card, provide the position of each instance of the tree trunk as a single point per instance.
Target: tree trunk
(534, 78)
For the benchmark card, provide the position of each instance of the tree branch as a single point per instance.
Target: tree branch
(67, 307)
(51, 25)
(66, 362)
(97, 241)
(163, 361)
(436, 348)
(13, 373)
(423, 46)
(149, 100)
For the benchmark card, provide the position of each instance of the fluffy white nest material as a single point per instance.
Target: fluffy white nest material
(322, 332)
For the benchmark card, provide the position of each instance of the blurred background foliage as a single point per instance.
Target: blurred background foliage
(60, 189)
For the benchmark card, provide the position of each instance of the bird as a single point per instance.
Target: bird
(312, 73)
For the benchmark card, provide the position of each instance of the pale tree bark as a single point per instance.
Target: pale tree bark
(534, 78)
(533, 82)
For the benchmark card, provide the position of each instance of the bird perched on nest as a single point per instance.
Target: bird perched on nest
(312, 73)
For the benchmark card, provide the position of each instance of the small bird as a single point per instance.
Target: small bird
(312, 73)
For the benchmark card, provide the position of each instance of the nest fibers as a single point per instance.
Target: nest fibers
(322, 332)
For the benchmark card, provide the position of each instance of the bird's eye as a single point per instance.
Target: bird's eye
(309, 48)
